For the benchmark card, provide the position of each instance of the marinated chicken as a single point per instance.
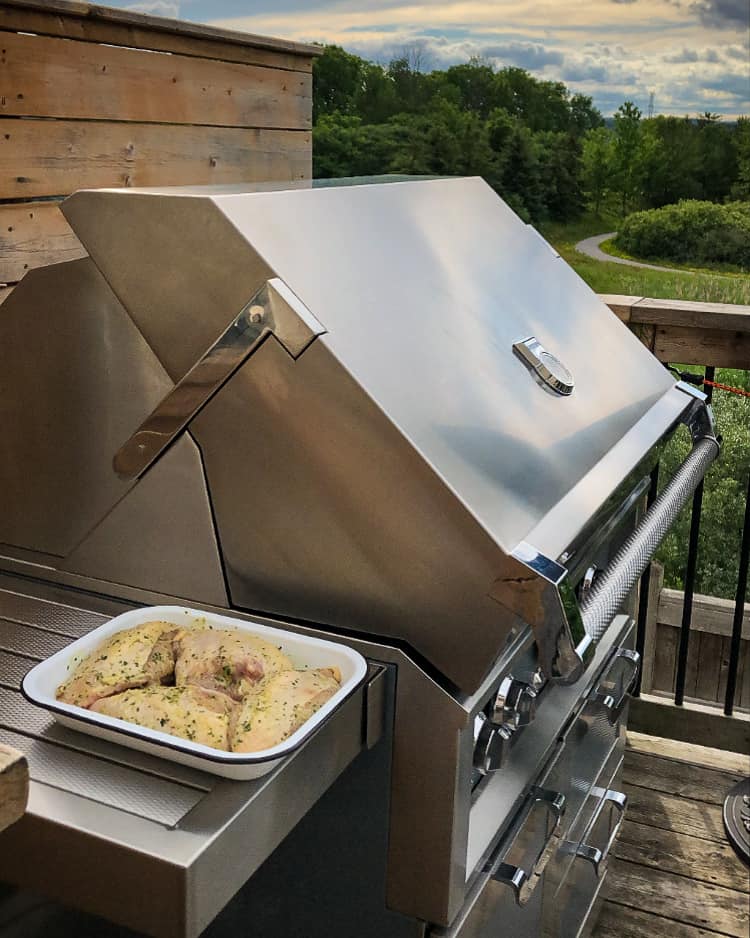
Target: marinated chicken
(134, 657)
(283, 703)
(226, 660)
(193, 713)
(229, 689)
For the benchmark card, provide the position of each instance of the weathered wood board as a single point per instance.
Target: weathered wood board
(61, 156)
(43, 77)
(88, 22)
(33, 234)
(98, 97)
(14, 785)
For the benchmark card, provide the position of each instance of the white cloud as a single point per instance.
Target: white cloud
(156, 8)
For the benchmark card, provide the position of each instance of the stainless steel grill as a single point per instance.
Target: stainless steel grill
(380, 412)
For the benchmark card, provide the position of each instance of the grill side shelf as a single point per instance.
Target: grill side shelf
(107, 826)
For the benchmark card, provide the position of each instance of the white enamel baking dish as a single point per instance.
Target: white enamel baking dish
(41, 682)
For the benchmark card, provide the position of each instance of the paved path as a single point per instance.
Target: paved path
(590, 247)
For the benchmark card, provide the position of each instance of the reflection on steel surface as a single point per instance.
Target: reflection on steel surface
(524, 883)
(274, 310)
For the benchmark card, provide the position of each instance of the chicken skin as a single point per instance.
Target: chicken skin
(280, 706)
(225, 660)
(193, 713)
(134, 657)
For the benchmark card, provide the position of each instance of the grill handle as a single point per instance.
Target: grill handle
(605, 597)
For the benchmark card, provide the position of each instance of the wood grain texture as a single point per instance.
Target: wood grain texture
(620, 921)
(691, 723)
(655, 584)
(725, 349)
(733, 763)
(702, 905)
(47, 77)
(665, 659)
(620, 305)
(14, 786)
(692, 314)
(53, 158)
(92, 23)
(714, 863)
(33, 234)
(674, 813)
(662, 774)
(710, 614)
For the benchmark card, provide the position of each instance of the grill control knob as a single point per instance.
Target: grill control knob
(491, 744)
(515, 702)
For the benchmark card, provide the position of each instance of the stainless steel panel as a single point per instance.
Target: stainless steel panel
(588, 737)
(434, 297)
(566, 909)
(127, 790)
(273, 310)
(177, 264)
(76, 379)
(161, 535)
(340, 522)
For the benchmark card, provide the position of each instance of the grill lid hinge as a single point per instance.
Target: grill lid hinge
(274, 310)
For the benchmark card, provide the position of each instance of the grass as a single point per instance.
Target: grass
(632, 281)
(723, 270)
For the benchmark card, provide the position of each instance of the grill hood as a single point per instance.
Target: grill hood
(377, 454)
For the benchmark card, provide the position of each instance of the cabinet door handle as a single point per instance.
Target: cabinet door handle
(594, 855)
(524, 883)
(615, 706)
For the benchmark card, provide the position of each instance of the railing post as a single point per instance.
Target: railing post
(739, 609)
(692, 563)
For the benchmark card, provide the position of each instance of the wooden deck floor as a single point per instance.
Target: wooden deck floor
(674, 875)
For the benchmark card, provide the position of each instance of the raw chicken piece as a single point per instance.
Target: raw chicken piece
(280, 706)
(131, 658)
(225, 660)
(193, 713)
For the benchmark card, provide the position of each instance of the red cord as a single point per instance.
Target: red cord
(726, 387)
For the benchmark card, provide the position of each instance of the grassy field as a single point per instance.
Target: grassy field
(616, 278)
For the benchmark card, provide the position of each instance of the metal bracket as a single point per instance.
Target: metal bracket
(273, 310)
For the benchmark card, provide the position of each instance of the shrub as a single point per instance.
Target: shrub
(690, 232)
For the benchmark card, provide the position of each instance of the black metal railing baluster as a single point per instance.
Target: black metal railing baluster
(692, 563)
(739, 610)
(645, 587)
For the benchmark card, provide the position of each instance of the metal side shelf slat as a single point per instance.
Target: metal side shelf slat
(127, 790)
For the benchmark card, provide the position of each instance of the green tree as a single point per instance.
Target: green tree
(741, 187)
(337, 82)
(598, 157)
(626, 163)
(583, 115)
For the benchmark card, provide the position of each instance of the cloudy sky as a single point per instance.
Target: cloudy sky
(693, 54)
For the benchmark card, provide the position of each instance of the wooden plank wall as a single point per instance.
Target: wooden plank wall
(708, 652)
(91, 97)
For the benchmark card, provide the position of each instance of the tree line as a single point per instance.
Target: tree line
(545, 150)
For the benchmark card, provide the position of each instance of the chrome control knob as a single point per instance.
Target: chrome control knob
(491, 745)
(515, 702)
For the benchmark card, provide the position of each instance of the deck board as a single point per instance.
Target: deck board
(673, 872)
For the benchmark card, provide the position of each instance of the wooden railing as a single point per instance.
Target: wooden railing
(693, 646)
(691, 333)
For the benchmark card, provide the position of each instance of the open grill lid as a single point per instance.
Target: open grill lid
(402, 405)
(426, 291)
